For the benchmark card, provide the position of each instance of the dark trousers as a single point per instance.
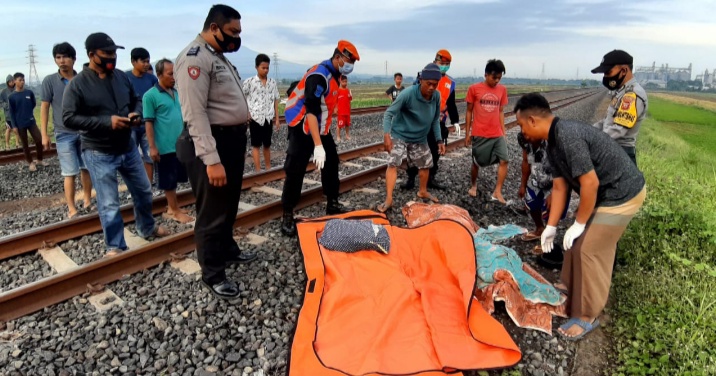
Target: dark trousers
(413, 171)
(631, 152)
(216, 207)
(36, 136)
(300, 149)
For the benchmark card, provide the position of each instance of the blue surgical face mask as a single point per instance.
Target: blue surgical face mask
(346, 69)
(444, 68)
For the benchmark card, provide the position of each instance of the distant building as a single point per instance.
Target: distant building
(661, 75)
(707, 79)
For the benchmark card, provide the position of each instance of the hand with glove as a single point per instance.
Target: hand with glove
(572, 234)
(548, 238)
(319, 156)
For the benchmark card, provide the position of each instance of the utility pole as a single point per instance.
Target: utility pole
(386, 69)
(276, 72)
(542, 76)
(32, 78)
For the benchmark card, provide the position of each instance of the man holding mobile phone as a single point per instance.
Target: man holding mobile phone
(101, 102)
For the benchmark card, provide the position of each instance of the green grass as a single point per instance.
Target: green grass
(664, 289)
(694, 125)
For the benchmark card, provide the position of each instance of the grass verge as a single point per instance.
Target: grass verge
(665, 300)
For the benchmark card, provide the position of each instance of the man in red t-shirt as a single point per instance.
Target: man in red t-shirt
(485, 127)
(344, 108)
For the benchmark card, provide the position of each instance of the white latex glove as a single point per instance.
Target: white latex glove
(548, 238)
(572, 234)
(457, 129)
(319, 157)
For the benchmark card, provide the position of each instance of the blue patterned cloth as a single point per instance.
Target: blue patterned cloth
(344, 235)
(492, 257)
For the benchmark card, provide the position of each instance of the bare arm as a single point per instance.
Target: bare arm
(559, 201)
(468, 122)
(44, 116)
(502, 119)
(525, 172)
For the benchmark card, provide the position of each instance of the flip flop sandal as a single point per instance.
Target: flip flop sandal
(113, 253)
(428, 200)
(507, 202)
(588, 327)
(224, 290)
(383, 209)
(530, 236)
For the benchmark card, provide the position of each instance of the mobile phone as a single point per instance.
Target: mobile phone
(134, 118)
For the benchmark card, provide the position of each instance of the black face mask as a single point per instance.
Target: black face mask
(230, 42)
(613, 82)
(107, 63)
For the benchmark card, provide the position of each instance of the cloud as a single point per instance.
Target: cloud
(565, 35)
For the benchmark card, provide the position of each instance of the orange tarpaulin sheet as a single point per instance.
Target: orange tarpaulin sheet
(408, 312)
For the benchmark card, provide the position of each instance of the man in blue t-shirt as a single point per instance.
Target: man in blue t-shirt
(142, 81)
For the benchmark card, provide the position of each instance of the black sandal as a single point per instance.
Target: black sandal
(225, 289)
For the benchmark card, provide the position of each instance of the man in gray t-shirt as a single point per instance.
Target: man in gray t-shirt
(5, 105)
(611, 190)
(67, 141)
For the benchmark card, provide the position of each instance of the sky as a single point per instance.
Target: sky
(566, 37)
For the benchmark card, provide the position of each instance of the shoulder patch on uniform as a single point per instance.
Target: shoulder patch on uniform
(626, 115)
(193, 51)
(194, 72)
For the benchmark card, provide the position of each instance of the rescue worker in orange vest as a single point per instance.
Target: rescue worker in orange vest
(448, 108)
(308, 115)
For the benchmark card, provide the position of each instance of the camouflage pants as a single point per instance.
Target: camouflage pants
(418, 155)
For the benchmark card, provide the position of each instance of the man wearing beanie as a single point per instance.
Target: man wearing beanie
(629, 102)
(448, 108)
(407, 123)
(5, 104)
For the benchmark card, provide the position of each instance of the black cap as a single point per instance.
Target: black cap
(100, 41)
(616, 57)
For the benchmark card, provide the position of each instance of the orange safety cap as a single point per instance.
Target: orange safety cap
(443, 55)
(347, 48)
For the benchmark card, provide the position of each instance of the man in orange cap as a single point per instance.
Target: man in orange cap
(448, 108)
(308, 115)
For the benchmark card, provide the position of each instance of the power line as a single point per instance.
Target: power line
(33, 79)
(275, 67)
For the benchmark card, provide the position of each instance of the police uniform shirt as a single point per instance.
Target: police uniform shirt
(210, 93)
(626, 111)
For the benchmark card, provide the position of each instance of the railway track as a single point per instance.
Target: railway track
(8, 156)
(75, 281)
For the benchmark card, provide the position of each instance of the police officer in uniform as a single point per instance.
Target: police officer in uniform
(308, 115)
(629, 102)
(448, 108)
(213, 143)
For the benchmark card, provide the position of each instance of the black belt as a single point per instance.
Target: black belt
(229, 128)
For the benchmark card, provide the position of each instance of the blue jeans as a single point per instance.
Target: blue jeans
(103, 170)
(69, 153)
(139, 138)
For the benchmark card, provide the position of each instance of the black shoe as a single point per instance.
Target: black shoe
(408, 185)
(225, 289)
(334, 207)
(435, 185)
(244, 257)
(288, 224)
